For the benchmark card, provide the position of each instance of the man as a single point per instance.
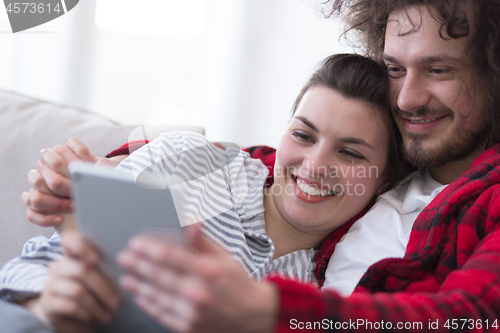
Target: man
(443, 65)
(442, 61)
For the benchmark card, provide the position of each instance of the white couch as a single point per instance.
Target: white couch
(29, 125)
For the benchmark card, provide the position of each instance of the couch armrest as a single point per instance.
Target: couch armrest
(28, 125)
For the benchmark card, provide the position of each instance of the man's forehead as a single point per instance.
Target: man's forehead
(415, 33)
(412, 19)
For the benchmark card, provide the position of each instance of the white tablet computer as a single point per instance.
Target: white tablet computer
(110, 209)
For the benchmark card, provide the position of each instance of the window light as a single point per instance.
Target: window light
(178, 19)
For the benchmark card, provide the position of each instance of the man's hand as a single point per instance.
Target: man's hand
(196, 291)
(77, 295)
(49, 197)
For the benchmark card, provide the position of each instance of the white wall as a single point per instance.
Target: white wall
(238, 78)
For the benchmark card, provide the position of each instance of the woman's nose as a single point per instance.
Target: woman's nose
(317, 163)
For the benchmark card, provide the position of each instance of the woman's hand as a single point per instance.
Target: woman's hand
(76, 295)
(200, 290)
(48, 201)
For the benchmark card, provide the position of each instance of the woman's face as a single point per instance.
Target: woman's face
(330, 162)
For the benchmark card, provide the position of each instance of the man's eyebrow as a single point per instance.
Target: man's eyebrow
(307, 123)
(389, 58)
(426, 60)
(438, 58)
(357, 141)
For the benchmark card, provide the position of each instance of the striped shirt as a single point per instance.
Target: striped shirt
(223, 189)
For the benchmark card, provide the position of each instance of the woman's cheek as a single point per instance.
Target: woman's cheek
(363, 182)
(285, 152)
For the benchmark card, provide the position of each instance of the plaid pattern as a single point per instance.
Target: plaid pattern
(267, 155)
(128, 148)
(451, 269)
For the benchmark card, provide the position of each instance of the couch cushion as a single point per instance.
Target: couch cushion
(28, 125)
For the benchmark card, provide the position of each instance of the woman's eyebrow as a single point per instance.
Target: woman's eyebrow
(353, 140)
(357, 141)
(307, 123)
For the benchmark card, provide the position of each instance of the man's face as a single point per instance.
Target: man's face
(435, 104)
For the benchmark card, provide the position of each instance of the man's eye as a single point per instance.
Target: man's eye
(352, 154)
(303, 136)
(395, 72)
(441, 72)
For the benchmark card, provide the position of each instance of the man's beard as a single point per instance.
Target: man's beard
(451, 149)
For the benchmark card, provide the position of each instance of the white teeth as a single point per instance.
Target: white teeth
(424, 121)
(312, 190)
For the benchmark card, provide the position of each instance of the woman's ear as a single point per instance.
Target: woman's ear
(383, 188)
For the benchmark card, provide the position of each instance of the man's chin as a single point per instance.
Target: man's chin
(420, 155)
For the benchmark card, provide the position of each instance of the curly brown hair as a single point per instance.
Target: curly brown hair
(367, 19)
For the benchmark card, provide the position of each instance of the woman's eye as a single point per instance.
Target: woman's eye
(303, 136)
(352, 154)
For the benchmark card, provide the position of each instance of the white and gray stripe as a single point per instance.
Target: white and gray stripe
(221, 188)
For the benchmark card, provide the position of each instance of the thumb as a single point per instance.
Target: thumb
(198, 240)
(76, 246)
(103, 161)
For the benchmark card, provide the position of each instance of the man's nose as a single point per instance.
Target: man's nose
(414, 93)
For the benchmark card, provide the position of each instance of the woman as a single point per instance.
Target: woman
(338, 152)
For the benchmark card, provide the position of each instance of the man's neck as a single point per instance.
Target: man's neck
(447, 173)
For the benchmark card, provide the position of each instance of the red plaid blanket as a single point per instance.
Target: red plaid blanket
(449, 279)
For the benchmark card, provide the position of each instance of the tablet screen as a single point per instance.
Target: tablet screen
(110, 209)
